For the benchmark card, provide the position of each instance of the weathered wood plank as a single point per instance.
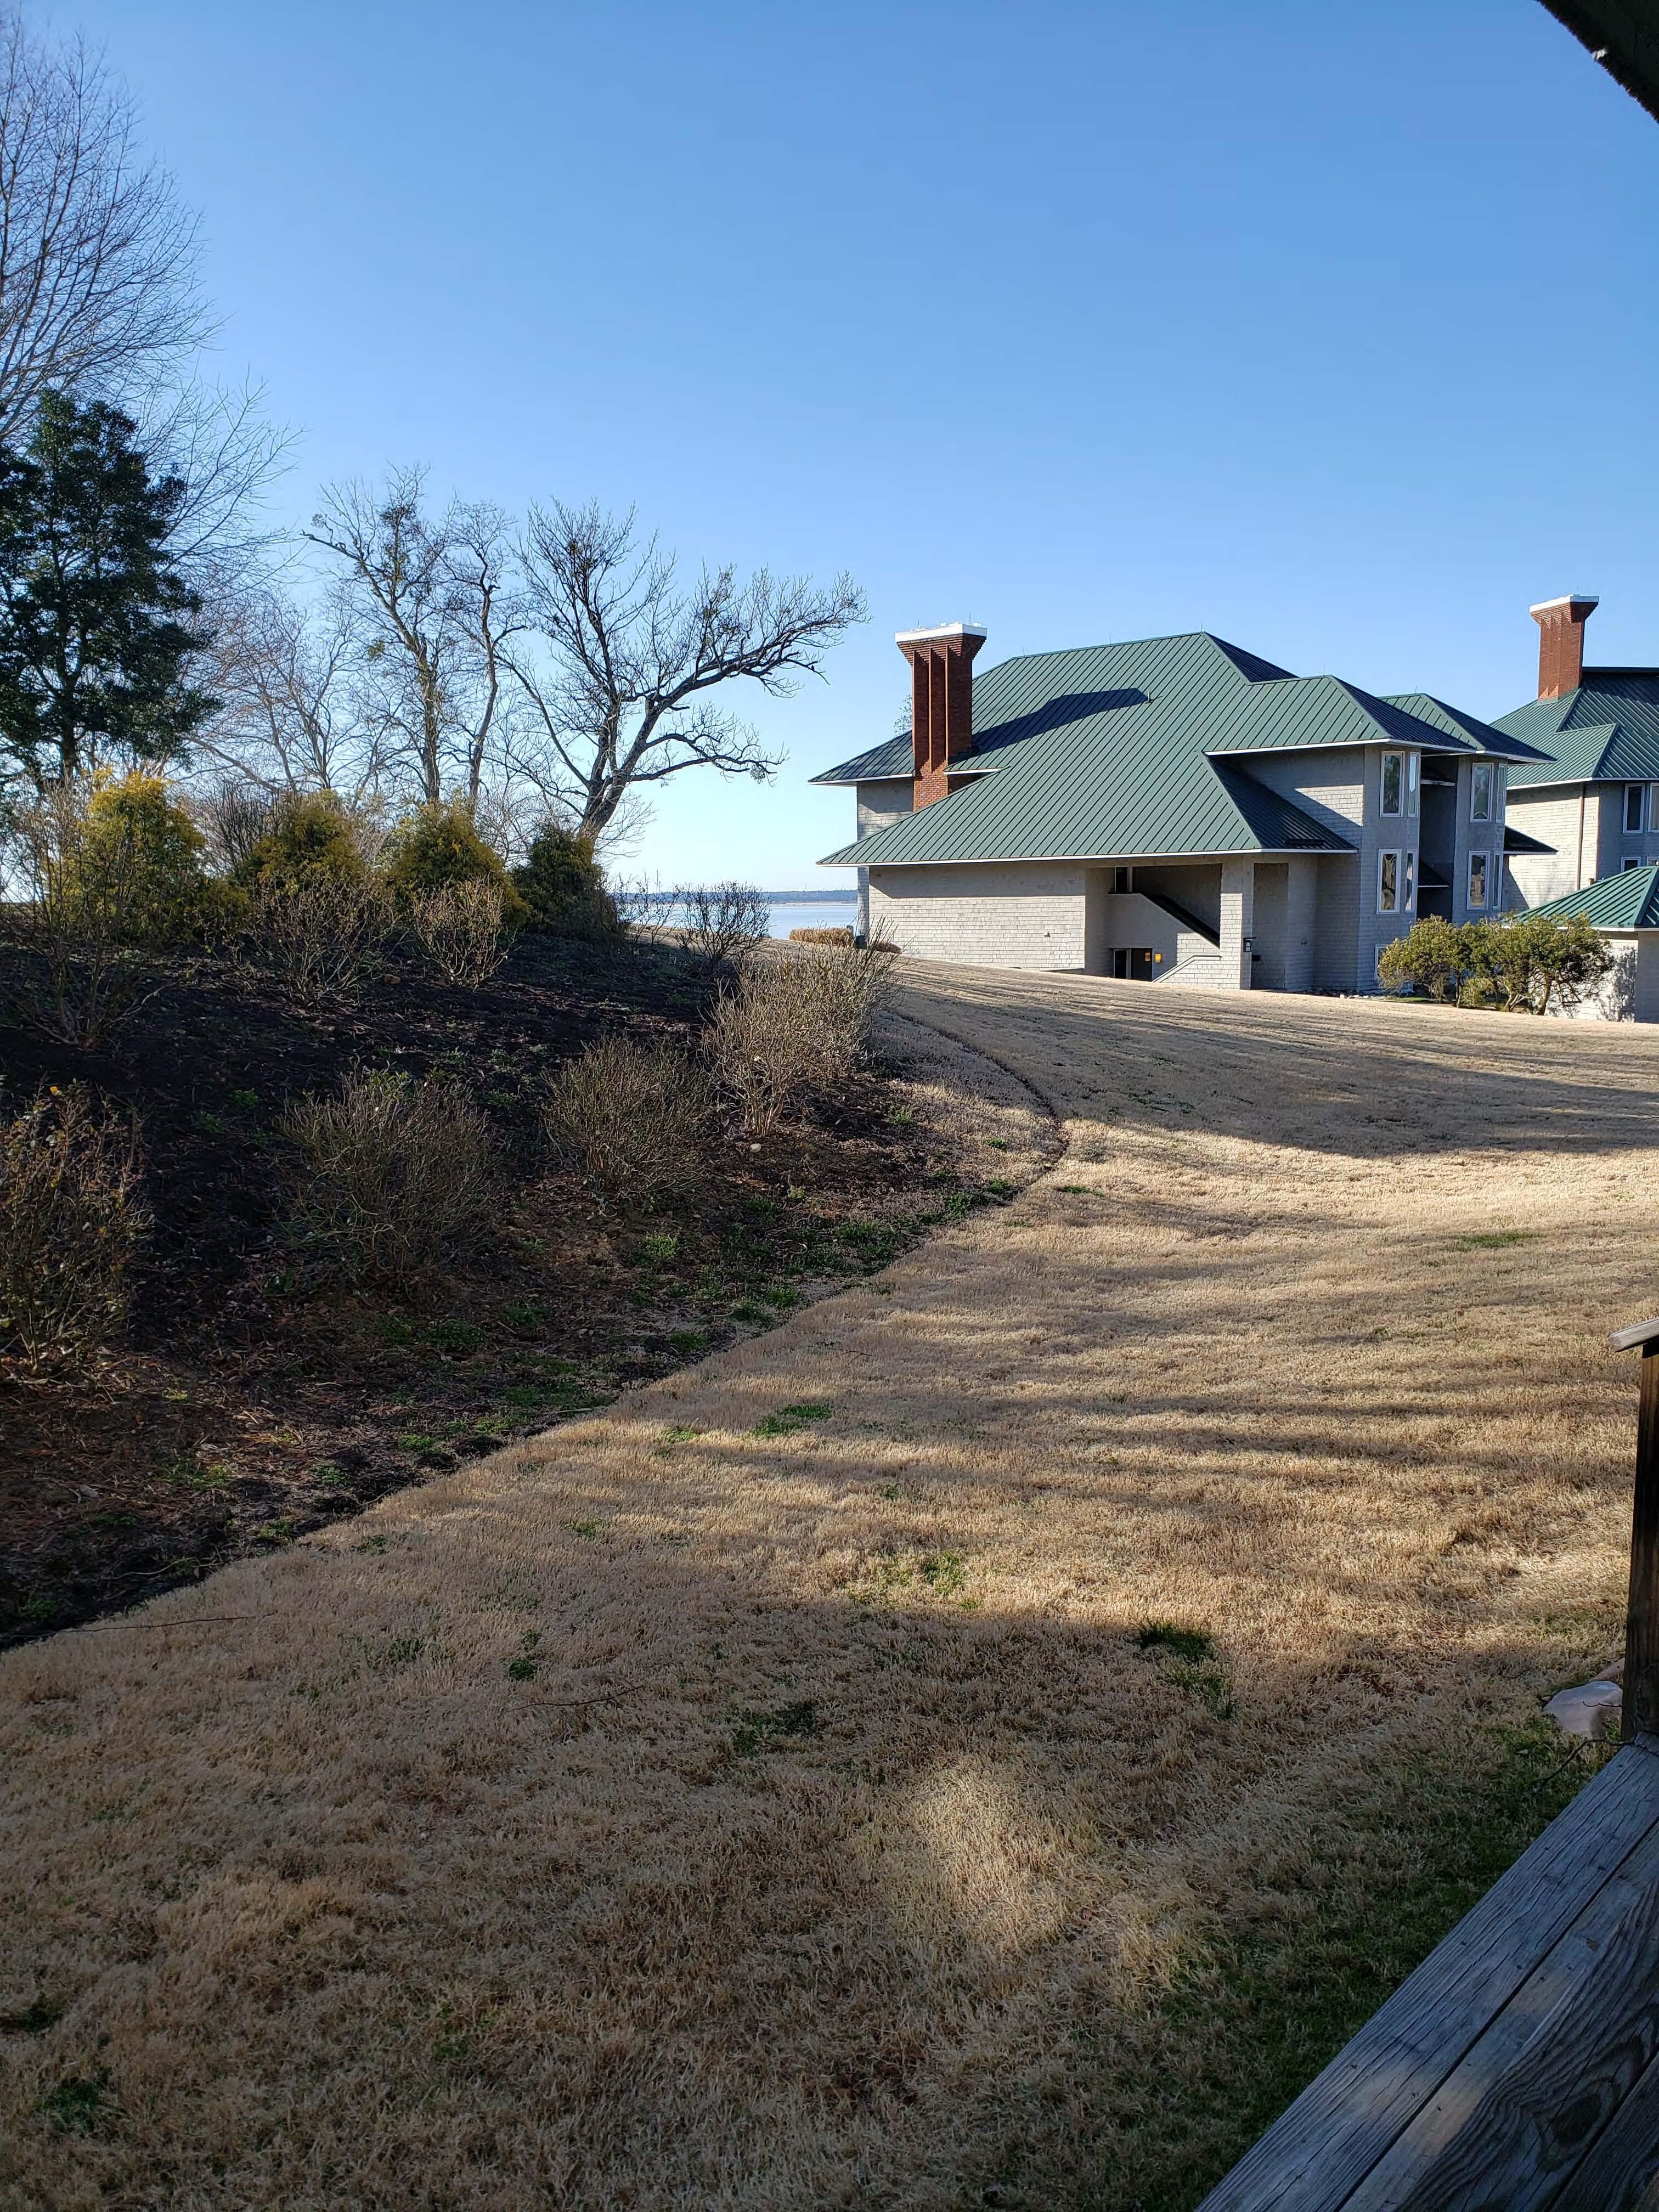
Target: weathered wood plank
(1539, 2119)
(1621, 2173)
(1583, 1953)
(1318, 2151)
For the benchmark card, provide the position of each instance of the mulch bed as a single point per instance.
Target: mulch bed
(258, 1399)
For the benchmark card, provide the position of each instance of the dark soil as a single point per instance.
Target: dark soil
(258, 1397)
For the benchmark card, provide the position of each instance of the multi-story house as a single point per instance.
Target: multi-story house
(1587, 804)
(1172, 810)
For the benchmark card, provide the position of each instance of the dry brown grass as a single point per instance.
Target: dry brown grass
(664, 1813)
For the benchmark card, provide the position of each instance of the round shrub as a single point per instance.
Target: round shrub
(440, 844)
(137, 836)
(562, 887)
(309, 833)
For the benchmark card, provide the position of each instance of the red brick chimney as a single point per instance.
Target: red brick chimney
(1561, 642)
(941, 702)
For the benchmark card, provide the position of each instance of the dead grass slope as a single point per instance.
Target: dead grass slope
(758, 1795)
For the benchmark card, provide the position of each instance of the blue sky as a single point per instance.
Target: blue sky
(1333, 328)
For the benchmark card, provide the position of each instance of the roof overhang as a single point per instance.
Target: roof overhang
(1332, 852)
(1622, 36)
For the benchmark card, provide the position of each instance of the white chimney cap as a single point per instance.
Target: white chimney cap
(1566, 599)
(939, 630)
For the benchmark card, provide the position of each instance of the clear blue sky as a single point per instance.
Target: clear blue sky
(1331, 326)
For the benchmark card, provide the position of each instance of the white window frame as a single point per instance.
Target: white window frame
(1639, 792)
(1631, 865)
(1385, 905)
(1408, 887)
(1413, 780)
(1398, 806)
(1483, 861)
(1481, 781)
(1495, 885)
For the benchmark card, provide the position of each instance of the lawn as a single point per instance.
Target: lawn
(984, 1742)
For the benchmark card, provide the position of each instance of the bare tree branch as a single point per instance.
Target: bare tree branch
(626, 656)
(99, 263)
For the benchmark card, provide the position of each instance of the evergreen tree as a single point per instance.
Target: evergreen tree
(97, 624)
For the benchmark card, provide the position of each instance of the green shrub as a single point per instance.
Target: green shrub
(97, 908)
(562, 887)
(392, 1178)
(1434, 956)
(308, 833)
(71, 1221)
(133, 824)
(439, 845)
(1523, 964)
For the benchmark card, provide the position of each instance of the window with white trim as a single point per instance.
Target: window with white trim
(1635, 807)
(1408, 888)
(1388, 882)
(1413, 777)
(1629, 865)
(1479, 866)
(1481, 783)
(1393, 782)
(1495, 883)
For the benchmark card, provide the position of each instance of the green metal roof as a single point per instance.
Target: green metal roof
(1484, 737)
(1626, 902)
(1136, 750)
(1606, 731)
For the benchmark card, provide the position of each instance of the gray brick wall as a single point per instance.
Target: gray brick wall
(1021, 914)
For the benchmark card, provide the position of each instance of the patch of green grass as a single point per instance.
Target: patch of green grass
(689, 1342)
(1386, 1885)
(998, 1143)
(587, 1530)
(523, 1318)
(1191, 1662)
(1494, 1240)
(874, 1242)
(76, 2105)
(902, 1117)
(678, 1435)
(247, 1100)
(275, 1532)
(944, 1572)
(788, 1418)
(400, 1651)
(1000, 1187)
(197, 1473)
(412, 1441)
(749, 1309)
(783, 1297)
(757, 1732)
(523, 1664)
(660, 1248)
(394, 1328)
(1077, 1189)
(212, 1124)
(329, 1472)
(460, 1336)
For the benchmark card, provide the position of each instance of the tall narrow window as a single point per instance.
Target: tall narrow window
(1480, 792)
(1394, 781)
(1388, 882)
(1477, 879)
(1413, 766)
(1635, 793)
(1495, 883)
(1409, 889)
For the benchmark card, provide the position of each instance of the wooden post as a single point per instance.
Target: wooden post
(1640, 1706)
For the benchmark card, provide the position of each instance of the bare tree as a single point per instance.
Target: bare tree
(287, 716)
(99, 263)
(429, 604)
(619, 687)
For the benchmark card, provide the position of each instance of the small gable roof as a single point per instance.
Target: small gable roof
(1607, 731)
(1627, 902)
